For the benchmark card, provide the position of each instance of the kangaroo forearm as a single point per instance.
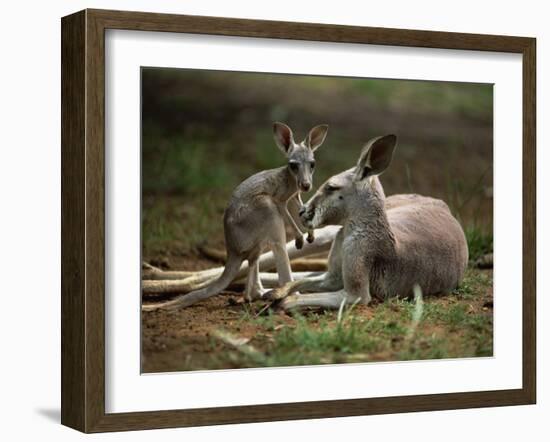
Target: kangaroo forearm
(323, 241)
(292, 223)
(294, 205)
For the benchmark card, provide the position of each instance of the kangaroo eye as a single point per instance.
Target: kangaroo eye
(312, 165)
(293, 166)
(331, 188)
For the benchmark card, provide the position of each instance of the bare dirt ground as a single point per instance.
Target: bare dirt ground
(188, 340)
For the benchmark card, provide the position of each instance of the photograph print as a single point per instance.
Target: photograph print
(292, 220)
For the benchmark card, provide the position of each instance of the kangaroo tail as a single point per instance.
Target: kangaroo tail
(229, 273)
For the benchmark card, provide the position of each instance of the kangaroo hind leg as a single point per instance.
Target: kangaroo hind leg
(282, 262)
(254, 288)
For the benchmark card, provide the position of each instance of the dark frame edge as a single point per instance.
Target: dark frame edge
(198, 24)
(135, 421)
(529, 219)
(83, 217)
(83, 236)
(73, 257)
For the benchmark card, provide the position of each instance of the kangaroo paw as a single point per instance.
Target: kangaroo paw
(299, 242)
(275, 294)
(310, 236)
(255, 294)
(287, 304)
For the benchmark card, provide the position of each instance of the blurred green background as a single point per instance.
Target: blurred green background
(203, 132)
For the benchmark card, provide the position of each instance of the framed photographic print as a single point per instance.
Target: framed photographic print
(266, 221)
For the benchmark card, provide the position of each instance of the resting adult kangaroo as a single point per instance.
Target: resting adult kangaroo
(256, 215)
(380, 251)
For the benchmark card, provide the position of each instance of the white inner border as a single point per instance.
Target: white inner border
(127, 390)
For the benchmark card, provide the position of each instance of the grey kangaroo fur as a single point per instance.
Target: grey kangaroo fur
(256, 214)
(385, 247)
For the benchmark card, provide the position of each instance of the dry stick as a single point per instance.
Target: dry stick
(170, 274)
(213, 253)
(185, 283)
(180, 274)
(269, 280)
(240, 344)
(199, 280)
(299, 264)
(149, 271)
(149, 267)
(309, 264)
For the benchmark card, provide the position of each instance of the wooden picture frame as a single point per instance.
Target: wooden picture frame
(83, 220)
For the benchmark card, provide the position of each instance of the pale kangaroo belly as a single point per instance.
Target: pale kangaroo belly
(431, 250)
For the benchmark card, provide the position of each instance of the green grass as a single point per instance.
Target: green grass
(465, 204)
(449, 327)
(480, 242)
(183, 166)
(465, 99)
(474, 281)
(178, 224)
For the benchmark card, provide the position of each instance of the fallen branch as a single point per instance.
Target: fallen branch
(184, 282)
(185, 285)
(240, 344)
(156, 289)
(213, 253)
(149, 267)
(298, 264)
(309, 265)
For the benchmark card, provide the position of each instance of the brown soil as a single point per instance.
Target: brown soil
(183, 340)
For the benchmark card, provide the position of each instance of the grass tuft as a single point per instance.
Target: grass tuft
(397, 329)
(479, 241)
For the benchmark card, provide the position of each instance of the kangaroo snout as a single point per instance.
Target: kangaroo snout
(305, 186)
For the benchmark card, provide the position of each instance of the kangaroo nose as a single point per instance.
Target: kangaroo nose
(306, 187)
(302, 210)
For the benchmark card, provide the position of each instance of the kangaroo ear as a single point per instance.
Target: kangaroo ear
(316, 137)
(283, 137)
(375, 157)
